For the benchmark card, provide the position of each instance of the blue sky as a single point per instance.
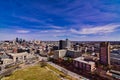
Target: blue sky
(89, 20)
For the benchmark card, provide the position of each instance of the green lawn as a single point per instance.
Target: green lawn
(61, 73)
(32, 73)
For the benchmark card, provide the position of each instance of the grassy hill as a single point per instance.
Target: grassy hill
(33, 73)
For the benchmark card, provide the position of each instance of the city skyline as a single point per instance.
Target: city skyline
(93, 20)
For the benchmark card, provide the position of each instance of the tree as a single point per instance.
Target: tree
(43, 63)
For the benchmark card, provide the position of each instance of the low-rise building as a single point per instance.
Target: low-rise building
(59, 54)
(73, 54)
(66, 53)
(115, 57)
(18, 57)
(80, 63)
(6, 61)
(113, 73)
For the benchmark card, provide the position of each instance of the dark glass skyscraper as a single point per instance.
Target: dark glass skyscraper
(64, 44)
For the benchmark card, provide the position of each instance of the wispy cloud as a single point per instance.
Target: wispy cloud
(23, 31)
(56, 27)
(77, 19)
(53, 31)
(97, 30)
(31, 19)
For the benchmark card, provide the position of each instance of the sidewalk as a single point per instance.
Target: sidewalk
(72, 74)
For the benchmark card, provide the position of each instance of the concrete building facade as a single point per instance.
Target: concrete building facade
(80, 63)
(59, 54)
(18, 57)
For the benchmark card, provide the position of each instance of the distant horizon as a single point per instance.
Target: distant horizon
(80, 20)
(64, 39)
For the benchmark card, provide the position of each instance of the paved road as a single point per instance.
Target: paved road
(72, 74)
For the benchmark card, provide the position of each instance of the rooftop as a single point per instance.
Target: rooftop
(17, 54)
(81, 59)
